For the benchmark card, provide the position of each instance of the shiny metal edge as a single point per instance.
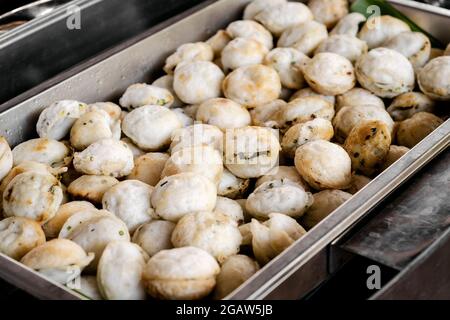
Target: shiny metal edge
(288, 262)
(31, 5)
(422, 7)
(434, 22)
(319, 237)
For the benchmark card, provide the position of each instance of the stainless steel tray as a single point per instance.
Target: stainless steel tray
(27, 59)
(306, 263)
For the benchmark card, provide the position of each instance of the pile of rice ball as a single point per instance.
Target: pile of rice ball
(199, 179)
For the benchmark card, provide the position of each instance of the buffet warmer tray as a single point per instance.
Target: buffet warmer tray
(310, 260)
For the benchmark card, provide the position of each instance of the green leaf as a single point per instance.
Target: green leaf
(387, 9)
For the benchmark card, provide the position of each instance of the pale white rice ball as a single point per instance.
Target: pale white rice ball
(107, 157)
(385, 72)
(150, 127)
(434, 78)
(304, 37)
(330, 74)
(142, 94)
(223, 113)
(283, 16)
(198, 81)
(188, 52)
(180, 194)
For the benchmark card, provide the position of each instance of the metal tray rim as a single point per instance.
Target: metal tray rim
(281, 274)
(403, 168)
